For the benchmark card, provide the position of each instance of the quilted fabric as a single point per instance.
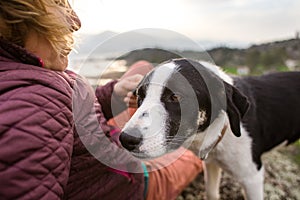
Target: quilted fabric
(36, 136)
(41, 153)
(84, 181)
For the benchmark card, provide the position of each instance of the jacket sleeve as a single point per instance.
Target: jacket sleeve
(110, 102)
(36, 141)
(99, 166)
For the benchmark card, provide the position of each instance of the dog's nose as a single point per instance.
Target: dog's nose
(131, 140)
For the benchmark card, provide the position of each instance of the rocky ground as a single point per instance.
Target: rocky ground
(282, 178)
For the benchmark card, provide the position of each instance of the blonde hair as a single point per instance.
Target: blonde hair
(19, 17)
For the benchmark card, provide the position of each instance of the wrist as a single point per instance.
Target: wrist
(146, 179)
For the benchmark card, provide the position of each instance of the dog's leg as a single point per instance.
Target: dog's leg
(254, 186)
(212, 174)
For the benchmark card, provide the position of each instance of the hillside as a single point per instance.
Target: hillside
(270, 56)
(274, 56)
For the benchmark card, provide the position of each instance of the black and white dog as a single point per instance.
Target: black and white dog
(230, 122)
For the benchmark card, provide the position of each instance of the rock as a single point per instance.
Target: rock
(190, 197)
(180, 198)
(282, 179)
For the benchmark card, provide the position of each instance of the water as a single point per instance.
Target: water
(98, 71)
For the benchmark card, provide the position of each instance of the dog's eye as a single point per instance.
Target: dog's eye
(175, 98)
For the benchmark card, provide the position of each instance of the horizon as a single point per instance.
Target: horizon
(214, 43)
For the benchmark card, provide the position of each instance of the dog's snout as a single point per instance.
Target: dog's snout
(131, 139)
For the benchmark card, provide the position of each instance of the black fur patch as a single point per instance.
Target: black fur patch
(274, 113)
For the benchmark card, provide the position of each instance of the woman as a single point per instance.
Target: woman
(47, 129)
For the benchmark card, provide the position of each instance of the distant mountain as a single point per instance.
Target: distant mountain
(87, 43)
(113, 44)
(156, 45)
(153, 55)
(274, 56)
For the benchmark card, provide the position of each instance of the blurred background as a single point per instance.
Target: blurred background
(244, 37)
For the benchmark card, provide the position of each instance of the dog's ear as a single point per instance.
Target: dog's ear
(237, 107)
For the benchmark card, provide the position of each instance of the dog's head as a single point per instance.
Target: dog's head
(178, 99)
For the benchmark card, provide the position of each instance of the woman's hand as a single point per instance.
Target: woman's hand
(126, 85)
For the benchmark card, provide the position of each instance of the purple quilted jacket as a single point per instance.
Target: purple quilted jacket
(53, 135)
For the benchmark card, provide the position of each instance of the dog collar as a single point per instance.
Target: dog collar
(220, 137)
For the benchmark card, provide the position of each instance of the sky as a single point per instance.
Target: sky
(250, 21)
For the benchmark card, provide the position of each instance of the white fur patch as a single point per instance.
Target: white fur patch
(234, 155)
(212, 134)
(150, 119)
(201, 117)
(218, 71)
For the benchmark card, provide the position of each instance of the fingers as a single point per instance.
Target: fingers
(135, 78)
(127, 98)
(131, 100)
(131, 82)
(127, 84)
